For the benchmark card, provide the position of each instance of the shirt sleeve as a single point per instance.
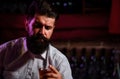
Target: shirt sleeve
(65, 69)
(61, 63)
(63, 66)
(2, 54)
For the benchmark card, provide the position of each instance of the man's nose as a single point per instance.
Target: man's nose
(42, 30)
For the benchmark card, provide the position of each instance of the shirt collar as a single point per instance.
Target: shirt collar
(43, 55)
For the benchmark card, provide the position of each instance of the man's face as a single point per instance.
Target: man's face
(42, 25)
(40, 29)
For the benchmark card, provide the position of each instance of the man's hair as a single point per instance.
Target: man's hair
(42, 7)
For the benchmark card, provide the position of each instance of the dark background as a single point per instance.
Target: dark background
(88, 33)
(80, 20)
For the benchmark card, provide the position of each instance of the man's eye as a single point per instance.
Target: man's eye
(47, 27)
(37, 25)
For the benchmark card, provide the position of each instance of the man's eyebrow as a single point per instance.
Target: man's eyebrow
(37, 22)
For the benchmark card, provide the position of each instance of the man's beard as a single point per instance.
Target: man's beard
(37, 44)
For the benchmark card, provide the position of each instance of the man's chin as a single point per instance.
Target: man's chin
(40, 50)
(40, 41)
(37, 46)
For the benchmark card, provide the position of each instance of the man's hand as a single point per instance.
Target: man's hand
(52, 73)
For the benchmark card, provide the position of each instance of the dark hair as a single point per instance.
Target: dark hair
(42, 7)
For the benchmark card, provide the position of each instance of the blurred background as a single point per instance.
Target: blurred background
(88, 33)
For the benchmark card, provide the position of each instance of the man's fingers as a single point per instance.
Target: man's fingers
(51, 75)
(53, 69)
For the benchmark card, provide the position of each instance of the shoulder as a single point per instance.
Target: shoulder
(57, 54)
(12, 43)
(55, 51)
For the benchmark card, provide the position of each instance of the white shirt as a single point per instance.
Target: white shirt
(17, 62)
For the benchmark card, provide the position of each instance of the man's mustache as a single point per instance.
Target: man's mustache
(39, 36)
